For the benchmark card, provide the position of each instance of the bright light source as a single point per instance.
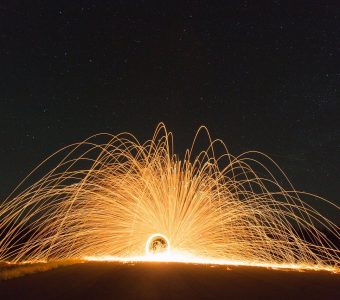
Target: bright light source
(157, 244)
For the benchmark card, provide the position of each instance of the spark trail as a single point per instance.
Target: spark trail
(108, 200)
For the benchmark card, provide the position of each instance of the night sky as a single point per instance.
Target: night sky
(261, 77)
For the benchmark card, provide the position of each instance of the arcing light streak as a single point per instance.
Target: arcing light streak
(105, 200)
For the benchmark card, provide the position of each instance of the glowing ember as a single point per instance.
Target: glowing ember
(157, 244)
(106, 200)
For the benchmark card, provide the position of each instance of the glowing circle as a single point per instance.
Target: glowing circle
(157, 244)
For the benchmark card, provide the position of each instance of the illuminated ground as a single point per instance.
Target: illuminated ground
(103, 280)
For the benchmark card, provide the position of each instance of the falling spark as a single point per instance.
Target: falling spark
(121, 200)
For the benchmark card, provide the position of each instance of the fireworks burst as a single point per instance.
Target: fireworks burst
(123, 200)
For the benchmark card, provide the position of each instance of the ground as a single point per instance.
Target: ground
(101, 280)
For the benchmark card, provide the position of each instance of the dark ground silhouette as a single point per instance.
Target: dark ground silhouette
(99, 280)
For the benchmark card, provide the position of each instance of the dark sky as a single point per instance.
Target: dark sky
(261, 77)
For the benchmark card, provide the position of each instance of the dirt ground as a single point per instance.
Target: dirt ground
(100, 280)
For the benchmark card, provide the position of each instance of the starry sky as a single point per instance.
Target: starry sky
(262, 77)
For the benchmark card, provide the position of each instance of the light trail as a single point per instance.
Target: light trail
(108, 200)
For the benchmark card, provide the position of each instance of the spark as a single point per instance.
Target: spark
(112, 198)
